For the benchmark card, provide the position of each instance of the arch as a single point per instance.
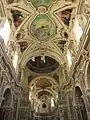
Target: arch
(52, 80)
(6, 87)
(7, 97)
(35, 50)
(6, 102)
(49, 91)
(80, 105)
(78, 91)
(43, 105)
(42, 64)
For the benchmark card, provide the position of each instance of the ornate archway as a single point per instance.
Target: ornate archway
(81, 112)
(5, 110)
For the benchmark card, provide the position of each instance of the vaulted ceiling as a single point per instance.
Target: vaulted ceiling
(42, 24)
(42, 33)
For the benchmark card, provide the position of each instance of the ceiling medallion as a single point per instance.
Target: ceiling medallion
(43, 27)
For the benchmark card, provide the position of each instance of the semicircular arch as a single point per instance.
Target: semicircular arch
(7, 97)
(50, 79)
(47, 90)
(35, 50)
(87, 75)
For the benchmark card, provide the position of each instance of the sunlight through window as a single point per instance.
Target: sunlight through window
(30, 96)
(5, 31)
(78, 31)
(15, 59)
(52, 102)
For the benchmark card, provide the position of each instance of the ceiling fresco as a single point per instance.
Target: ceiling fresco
(43, 34)
(23, 45)
(42, 21)
(43, 27)
(18, 17)
(65, 16)
(43, 83)
(37, 3)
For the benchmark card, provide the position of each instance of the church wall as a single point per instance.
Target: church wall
(81, 72)
(8, 85)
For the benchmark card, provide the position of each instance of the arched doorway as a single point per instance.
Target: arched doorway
(44, 105)
(80, 105)
(5, 106)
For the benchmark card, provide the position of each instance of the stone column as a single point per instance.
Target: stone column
(88, 103)
(22, 75)
(60, 104)
(18, 73)
(70, 105)
(61, 76)
(18, 106)
(75, 112)
(61, 112)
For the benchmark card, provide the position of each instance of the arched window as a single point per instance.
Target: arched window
(44, 105)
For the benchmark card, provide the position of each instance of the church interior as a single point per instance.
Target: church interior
(44, 59)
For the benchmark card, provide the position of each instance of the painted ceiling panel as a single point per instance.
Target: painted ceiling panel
(43, 27)
(43, 83)
(45, 3)
(18, 17)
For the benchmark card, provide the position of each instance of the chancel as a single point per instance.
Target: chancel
(44, 59)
